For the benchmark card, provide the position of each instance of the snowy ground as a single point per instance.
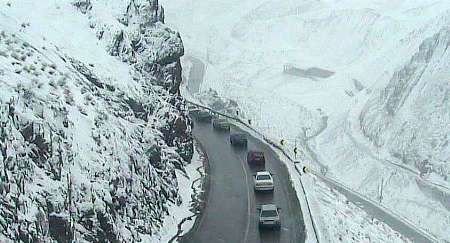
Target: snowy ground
(269, 56)
(90, 150)
(349, 223)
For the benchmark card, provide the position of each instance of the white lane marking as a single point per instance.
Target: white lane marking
(248, 198)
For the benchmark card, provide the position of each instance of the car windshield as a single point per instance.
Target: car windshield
(269, 213)
(263, 177)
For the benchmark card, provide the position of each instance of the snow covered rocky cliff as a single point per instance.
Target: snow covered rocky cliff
(92, 124)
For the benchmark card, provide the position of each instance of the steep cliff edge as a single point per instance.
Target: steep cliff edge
(92, 124)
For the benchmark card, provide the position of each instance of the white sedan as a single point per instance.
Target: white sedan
(263, 181)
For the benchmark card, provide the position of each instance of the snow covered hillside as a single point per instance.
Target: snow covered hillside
(93, 129)
(360, 85)
(411, 115)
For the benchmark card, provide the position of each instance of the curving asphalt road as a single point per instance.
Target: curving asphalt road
(230, 213)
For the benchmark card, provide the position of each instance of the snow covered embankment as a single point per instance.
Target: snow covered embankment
(408, 124)
(88, 154)
(411, 116)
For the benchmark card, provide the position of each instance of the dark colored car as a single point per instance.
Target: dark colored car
(204, 116)
(256, 158)
(238, 139)
(221, 124)
(194, 112)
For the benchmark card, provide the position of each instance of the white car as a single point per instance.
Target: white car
(269, 217)
(263, 181)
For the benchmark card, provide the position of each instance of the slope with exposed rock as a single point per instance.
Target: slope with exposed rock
(93, 126)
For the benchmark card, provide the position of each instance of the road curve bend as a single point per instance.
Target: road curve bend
(230, 213)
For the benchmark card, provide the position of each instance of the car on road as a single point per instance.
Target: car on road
(256, 158)
(204, 116)
(269, 217)
(238, 139)
(194, 112)
(263, 181)
(221, 124)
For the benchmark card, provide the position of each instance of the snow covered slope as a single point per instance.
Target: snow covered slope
(411, 115)
(93, 131)
(361, 85)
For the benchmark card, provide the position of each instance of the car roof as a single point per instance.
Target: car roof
(262, 173)
(268, 207)
(255, 152)
(238, 134)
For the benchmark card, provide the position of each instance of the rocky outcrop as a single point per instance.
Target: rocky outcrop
(83, 159)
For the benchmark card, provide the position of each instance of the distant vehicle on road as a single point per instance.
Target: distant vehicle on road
(204, 116)
(256, 158)
(269, 217)
(263, 181)
(194, 112)
(238, 139)
(221, 124)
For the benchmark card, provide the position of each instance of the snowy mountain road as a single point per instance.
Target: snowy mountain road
(376, 211)
(230, 213)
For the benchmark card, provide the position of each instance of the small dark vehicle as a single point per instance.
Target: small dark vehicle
(204, 116)
(221, 124)
(238, 139)
(194, 112)
(256, 158)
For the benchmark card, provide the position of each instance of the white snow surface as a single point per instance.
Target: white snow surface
(360, 86)
(93, 145)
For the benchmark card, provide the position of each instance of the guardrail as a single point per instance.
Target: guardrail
(273, 144)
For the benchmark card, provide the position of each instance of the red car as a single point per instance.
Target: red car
(256, 158)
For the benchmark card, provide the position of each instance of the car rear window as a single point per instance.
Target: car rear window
(263, 177)
(269, 213)
(258, 155)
